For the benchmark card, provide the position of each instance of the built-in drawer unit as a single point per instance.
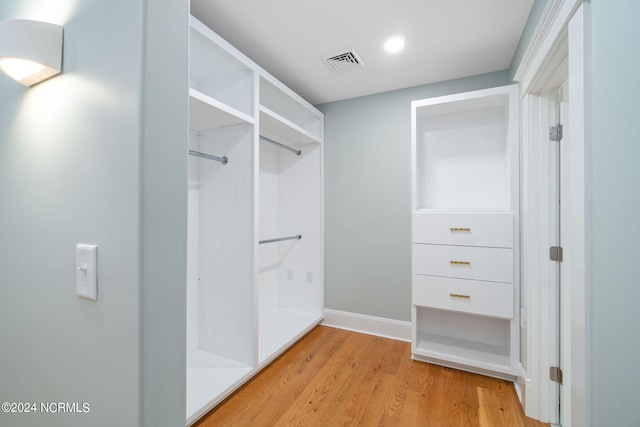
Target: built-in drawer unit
(471, 296)
(465, 231)
(477, 229)
(464, 262)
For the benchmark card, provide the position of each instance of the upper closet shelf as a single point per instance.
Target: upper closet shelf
(285, 103)
(228, 80)
(274, 126)
(219, 72)
(206, 113)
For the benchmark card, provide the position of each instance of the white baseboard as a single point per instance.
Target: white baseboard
(521, 385)
(379, 326)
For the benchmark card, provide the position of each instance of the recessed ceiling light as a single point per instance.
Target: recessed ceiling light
(394, 44)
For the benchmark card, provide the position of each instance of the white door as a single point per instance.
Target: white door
(558, 107)
(544, 165)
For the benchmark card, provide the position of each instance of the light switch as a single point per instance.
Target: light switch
(86, 271)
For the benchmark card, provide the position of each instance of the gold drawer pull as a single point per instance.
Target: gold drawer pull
(453, 229)
(460, 262)
(460, 296)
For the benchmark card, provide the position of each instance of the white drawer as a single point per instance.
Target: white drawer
(471, 296)
(477, 229)
(464, 262)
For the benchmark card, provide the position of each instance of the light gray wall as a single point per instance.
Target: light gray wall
(71, 156)
(615, 198)
(164, 213)
(368, 197)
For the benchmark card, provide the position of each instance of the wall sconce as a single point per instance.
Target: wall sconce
(30, 51)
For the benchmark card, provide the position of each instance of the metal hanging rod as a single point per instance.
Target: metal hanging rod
(224, 160)
(280, 239)
(293, 150)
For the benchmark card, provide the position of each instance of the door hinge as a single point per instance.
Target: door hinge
(555, 253)
(555, 374)
(555, 132)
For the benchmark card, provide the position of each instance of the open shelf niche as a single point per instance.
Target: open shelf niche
(220, 323)
(291, 274)
(463, 154)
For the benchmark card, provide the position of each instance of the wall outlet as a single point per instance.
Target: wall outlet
(309, 277)
(289, 274)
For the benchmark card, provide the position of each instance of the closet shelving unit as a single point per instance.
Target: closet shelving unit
(291, 205)
(465, 210)
(255, 280)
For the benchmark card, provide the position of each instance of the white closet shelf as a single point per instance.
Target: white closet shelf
(462, 352)
(474, 210)
(274, 126)
(278, 329)
(210, 378)
(278, 98)
(206, 113)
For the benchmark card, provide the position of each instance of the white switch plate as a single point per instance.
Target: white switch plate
(86, 271)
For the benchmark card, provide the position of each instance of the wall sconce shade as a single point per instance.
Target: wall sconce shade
(30, 51)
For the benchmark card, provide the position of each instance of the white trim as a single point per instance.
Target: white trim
(552, 23)
(520, 384)
(371, 325)
(577, 384)
(559, 17)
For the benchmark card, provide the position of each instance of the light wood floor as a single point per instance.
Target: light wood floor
(334, 377)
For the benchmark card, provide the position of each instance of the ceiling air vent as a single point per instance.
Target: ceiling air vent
(344, 61)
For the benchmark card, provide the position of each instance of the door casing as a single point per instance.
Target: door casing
(560, 37)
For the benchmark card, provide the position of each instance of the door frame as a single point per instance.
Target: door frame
(539, 279)
(563, 23)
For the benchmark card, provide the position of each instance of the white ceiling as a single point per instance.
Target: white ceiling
(445, 39)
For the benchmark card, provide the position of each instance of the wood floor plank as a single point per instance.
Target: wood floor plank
(323, 395)
(381, 362)
(496, 410)
(369, 385)
(333, 377)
